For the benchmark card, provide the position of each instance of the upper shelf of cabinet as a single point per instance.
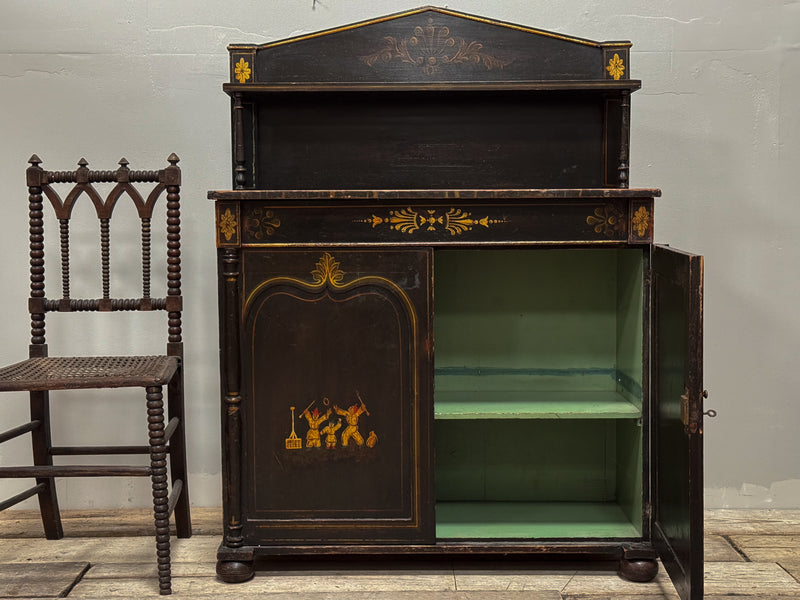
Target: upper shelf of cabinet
(427, 49)
(430, 99)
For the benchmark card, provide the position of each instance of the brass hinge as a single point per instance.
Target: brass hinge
(685, 408)
(690, 425)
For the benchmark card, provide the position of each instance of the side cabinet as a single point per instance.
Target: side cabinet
(444, 326)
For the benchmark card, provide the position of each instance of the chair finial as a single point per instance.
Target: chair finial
(173, 159)
(123, 162)
(35, 160)
(82, 163)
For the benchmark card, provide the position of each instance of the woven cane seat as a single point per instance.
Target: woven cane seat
(82, 372)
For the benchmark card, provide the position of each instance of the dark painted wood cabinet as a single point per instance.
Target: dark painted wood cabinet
(444, 326)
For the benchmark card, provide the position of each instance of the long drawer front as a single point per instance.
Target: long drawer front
(575, 221)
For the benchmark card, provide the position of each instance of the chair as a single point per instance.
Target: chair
(41, 373)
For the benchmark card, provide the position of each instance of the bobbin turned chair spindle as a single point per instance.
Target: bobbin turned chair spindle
(40, 373)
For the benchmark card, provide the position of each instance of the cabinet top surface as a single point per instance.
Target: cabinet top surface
(437, 194)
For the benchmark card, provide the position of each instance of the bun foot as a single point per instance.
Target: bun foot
(231, 571)
(638, 570)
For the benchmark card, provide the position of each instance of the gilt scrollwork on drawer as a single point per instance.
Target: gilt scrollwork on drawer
(261, 223)
(361, 221)
(407, 220)
(608, 220)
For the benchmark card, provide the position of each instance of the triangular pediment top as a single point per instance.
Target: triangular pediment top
(439, 10)
(428, 45)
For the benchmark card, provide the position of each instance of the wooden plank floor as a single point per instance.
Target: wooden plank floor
(109, 554)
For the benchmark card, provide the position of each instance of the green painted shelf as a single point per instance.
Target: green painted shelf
(512, 520)
(488, 404)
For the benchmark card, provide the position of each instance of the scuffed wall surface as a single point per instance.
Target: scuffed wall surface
(716, 126)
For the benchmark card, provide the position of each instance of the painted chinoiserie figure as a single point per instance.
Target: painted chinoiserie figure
(431, 245)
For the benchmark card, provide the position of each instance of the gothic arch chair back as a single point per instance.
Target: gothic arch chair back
(41, 373)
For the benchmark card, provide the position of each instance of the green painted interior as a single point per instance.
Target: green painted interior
(548, 309)
(509, 520)
(538, 375)
(629, 324)
(520, 380)
(630, 469)
(526, 460)
(520, 404)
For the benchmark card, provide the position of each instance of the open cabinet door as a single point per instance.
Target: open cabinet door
(678, 417)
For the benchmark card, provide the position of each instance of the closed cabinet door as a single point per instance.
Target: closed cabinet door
(678, 417)
(336, 396)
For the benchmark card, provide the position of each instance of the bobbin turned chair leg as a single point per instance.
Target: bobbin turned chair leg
(158, 465)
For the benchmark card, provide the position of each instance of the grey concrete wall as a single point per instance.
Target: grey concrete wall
(716, 126)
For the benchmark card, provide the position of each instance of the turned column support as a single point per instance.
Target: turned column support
(231, 400)
(240, 170)
(625, 137)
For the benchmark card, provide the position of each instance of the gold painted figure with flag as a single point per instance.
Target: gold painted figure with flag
(351, 415)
